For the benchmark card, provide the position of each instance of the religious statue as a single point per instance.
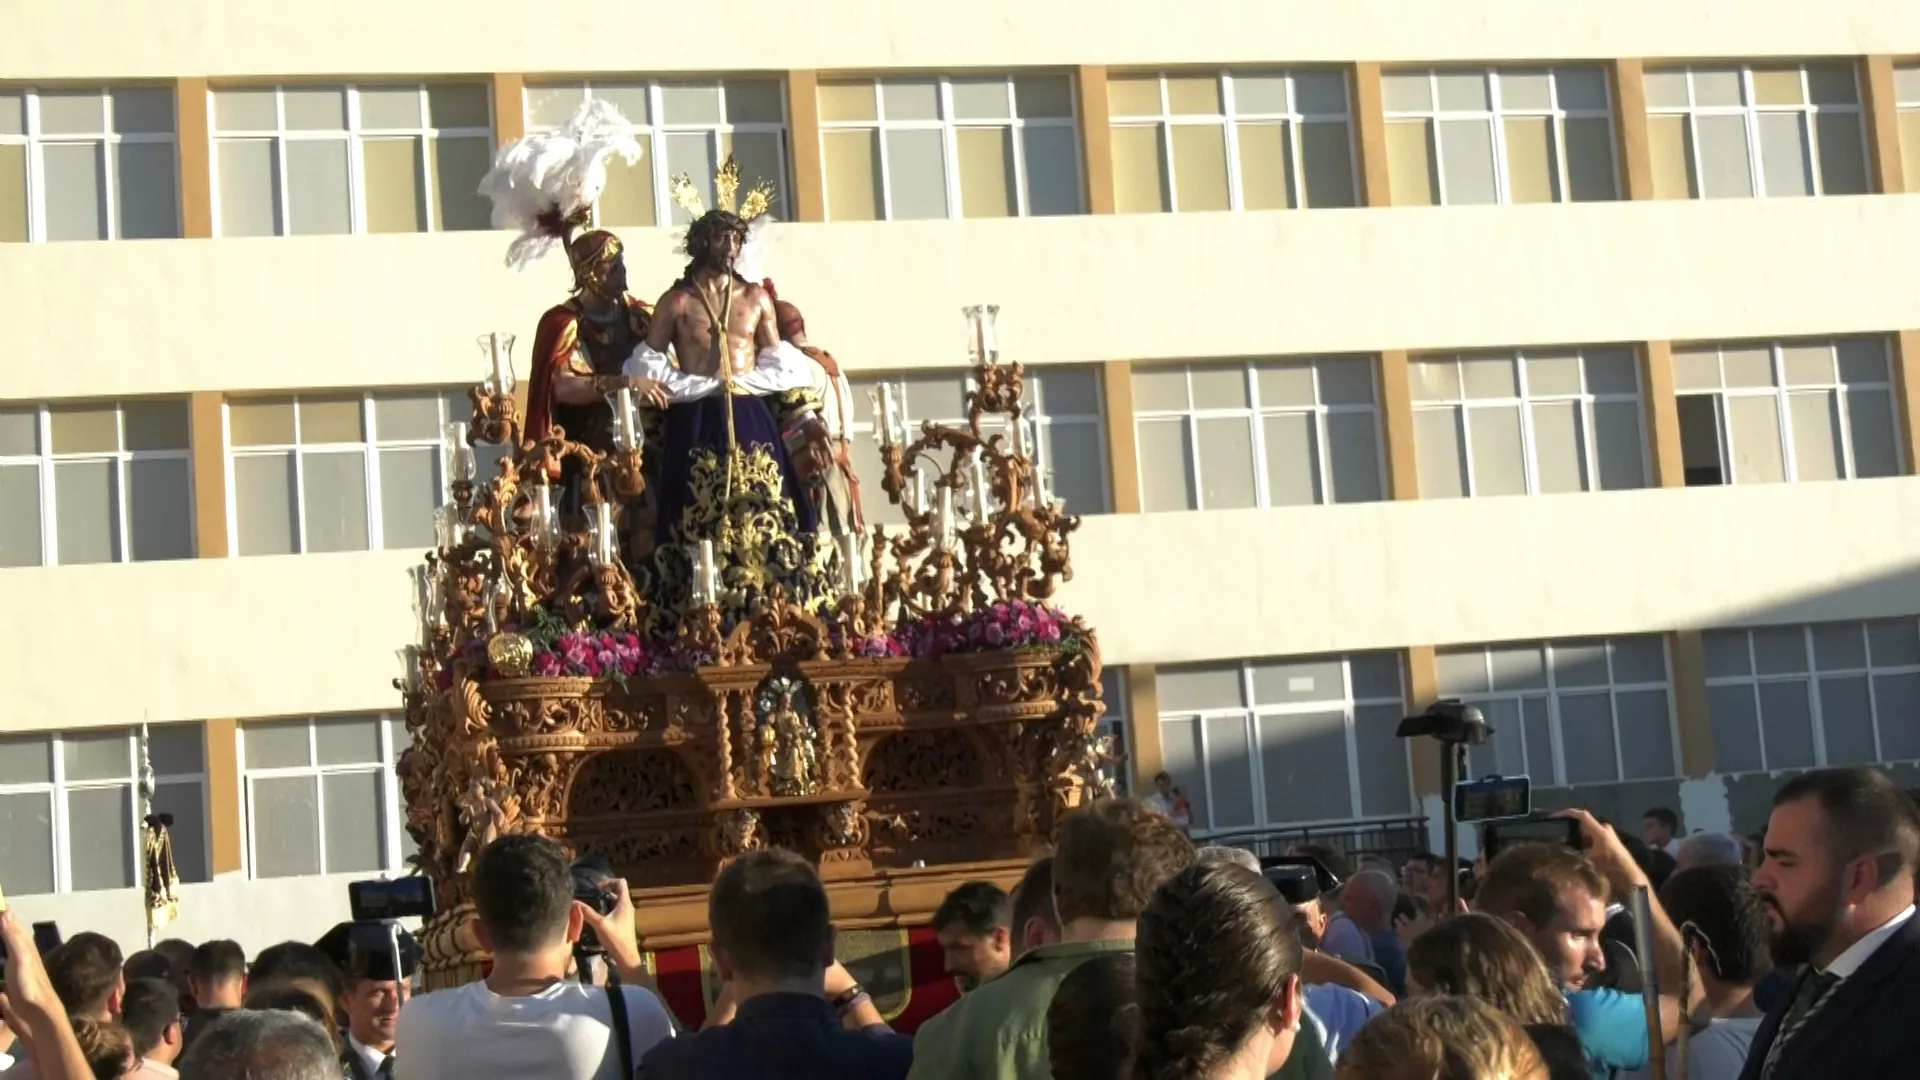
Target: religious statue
(738, 397)
(789, 747)
(484, 817)
(835, 491)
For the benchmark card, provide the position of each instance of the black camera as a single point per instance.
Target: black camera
(592, 886)
(1450, 722)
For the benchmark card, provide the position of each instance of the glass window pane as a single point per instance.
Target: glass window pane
(1586, 733)
(690, 103)
(1843, 154)
(260, 422)
(245, 110)
(1870, 426)
(848, 100)
(1808, 364)
(1777, 86)
(1226, 464)
(1260, 94)
(1539, 731)
(1639, 660)
(1353, 447)
(1736, 728)
(331, 419)
(1407, 91)
(552, 106)
(1303, 761)
(26, 842)
(1589, 150)
(1043, 96)
(84, 429)
(26, 759)
(1832, 84)
(454, 171)
(75, 193)
(1066, 392)
(1529, 90)
(188, 804)
(1618, 445)
(1549, 375)
(691, 154)
(100, 849)
(934, 397)
(1193, 95)
(277, 744)
(1499, 466)
(1230, 772)
(1580, 664)
(1384, 785)
(1345, 381)
(1139, 171)
(916, 175)
(853, 175)
(628, 197)
(1375, 675)
(1502, 753)
(986, 171)
(156, 424)
(315, 108)
(1293, 460)
(1670, 140)
(911, 99)
(1266, 165)
(1717, 87)
(1531, 170)
(176, 749)
(334, 501)
(86, 497)
(13, 112)
(97, 755)
(13, 192)
(285, 814)
(160, 509)
(1721, 150)
(409, 492)
(1896, 700)
(1159, 388)
(391, 185)
(1283, 682)
(1646, 735)
(1862, 361)
(389, 107)
(1462, 91)
(459, 105)
(1756, 440)
(19, 431)
(317, 201)
(1320, 93)
(249, 187)
(1816, 435)
(1074, 456)
(353, 825)
(1558, 449)
(1326, 152)
(1133, 95)
(1437, 453)
(632, 99)
(407, 416)
(347, 740)
(762, 157)
(147, 206)
(1786, 724)
(1219, 386)
(981, 99)
(1181, 757)
(1727, 653)
(1435, 380)
(72, 112)
(1696, 369)
(263, 504)
(1909, 124)
(20, 525)
(1410, 163)
(1839, 646)
(1894, 643)
(1783, 154)
(1846, 721)
(1200, 687)
(1466, 158)
(1053, 170)
(1461, 671)
(1748, 366)
(1517, 667)
(1489, 377)
(1780, 650)
(1166, 466)
(1199, 168)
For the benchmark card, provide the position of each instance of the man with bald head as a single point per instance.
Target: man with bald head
(1363, 931)
(1706, 849)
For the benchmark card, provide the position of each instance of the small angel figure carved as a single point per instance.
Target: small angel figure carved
(485, 819)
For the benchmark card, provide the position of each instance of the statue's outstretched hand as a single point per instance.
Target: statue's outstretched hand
(652, 392)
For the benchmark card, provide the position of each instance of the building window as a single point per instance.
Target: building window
(1113, 691)
(1761, 413)
(1740, 132)
(684, 128)
(1073, 446)
(1268, 433)
(88, 164)
(1286, 742)
(1906, 93)
(1799, 697)
(1244, 140)
(940, 147)
(340, 472)
(1568, 712)
(1532, 423)
(70, 807)
(307, 160)
(322, 797)
(1455, 138)
(95, 482)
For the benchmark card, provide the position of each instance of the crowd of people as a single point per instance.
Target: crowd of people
(1125, 953)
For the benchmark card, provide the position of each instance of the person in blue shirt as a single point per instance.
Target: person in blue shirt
(1557, 898)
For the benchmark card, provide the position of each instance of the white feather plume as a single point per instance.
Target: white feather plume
(755, 250)
(561, 171)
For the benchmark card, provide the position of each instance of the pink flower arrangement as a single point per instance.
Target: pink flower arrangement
(600, 654)
(1010, 625)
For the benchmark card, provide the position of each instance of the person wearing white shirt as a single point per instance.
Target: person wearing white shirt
(528, 1018)
(1837, 880)
(1725, 927)
(1170, 802)
(1660, 828)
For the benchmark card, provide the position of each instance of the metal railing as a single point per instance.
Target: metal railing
(1393, 839)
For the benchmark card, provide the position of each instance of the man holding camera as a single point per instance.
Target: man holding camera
(529, 1018)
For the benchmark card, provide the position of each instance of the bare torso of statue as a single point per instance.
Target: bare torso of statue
(687, 317)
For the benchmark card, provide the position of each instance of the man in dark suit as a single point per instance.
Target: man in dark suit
(1838, 883)
(796, 1014)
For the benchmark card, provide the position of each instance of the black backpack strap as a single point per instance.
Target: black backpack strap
(622, 1027)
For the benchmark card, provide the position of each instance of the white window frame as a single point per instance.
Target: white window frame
(392, 806)
(655, 129)
(991, 423)
(122, 460)
(60, 788)
(36, 141)
(1782, 394)
(369, 448)
(1495, 117)
(949, 126)
(352, 134)
(1809, 680)
(1254, 413)
(1551, 694)
(1464, 407)
(1751, 113)
(1251, 715)
(1229, 119)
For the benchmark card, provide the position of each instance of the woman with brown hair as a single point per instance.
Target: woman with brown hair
(1442, 1038)
(107, 1046)
(1482, 957)
(1216, 973)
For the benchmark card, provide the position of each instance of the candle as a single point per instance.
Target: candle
(880, 433)
(709, 582)
(976, 334)
(978, 477)
(543, 514)
(1020, 437)
(884, 421)
(944, 520)
(850, 563)
(603, 532)
(502, 377)
(623, 411)
(459, 455)
(989, 341)
(919, 491)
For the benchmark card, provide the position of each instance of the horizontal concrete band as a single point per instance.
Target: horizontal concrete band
(239, 38)
(367, 311)
(291, 635)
